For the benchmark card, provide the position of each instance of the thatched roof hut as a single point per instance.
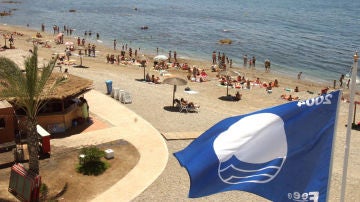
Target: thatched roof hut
(70, 86)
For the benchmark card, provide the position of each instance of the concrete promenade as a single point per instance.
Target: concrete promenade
(128, 126)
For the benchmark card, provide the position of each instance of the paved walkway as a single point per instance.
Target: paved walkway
(128, 126)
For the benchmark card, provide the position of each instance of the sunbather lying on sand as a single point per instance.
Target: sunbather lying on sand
(289, 97)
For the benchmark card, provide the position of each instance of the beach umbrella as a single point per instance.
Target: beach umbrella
(69, 43)
(143, 63)
(228, 74)
(175, 81)
(160, 58)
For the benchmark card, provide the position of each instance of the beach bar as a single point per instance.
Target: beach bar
(62, 108)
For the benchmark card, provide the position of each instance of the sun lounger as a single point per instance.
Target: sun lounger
(125, 97)
(186, 107)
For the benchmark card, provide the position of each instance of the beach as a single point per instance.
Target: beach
(153, 103)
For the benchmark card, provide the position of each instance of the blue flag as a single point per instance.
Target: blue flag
(281, 153)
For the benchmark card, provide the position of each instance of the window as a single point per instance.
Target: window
(2, 123)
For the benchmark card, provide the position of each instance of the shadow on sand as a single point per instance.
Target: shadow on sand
(74, 130)
(141, 80)
(171, 109)
(80, 66)
(228, 98)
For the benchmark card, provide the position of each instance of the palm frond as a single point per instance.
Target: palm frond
(28, 89)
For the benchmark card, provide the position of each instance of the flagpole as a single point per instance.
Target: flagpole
(349, 126)
(333, 145)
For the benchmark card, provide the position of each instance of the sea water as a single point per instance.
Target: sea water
(317, 37)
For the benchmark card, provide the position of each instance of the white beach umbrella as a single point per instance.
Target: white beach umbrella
(69, 43)
(160, 58)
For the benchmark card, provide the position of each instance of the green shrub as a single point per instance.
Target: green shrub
(91, 164)
(44, 190)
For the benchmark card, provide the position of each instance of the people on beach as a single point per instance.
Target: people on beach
(276, 83)
(299, 75)
(42, 27)
(11, 41)
(93, 49)
(89, 49)
(296, 89)
(245, 58)
(115, 44)
(54, 29)
(237, 96)
(155, 80)
(68, 53)
(289, 97)
(147, 78)
(253, 61)
(267, 65)
(84, 108)
(213, 57)
(341, 80)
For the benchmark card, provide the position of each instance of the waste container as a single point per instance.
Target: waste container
(116, 92)
(45, 139)
(108, 86)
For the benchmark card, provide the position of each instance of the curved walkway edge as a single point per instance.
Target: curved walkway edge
(128, 126)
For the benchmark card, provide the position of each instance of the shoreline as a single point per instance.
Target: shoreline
(107, 44)
(152, 101)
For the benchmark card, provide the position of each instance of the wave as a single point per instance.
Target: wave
(235, 171)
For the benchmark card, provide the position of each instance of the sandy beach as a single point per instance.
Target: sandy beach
(153, 101)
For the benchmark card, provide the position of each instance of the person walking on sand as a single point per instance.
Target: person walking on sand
(341, 80)
(89, 49)
(93, 50)
(245, 60)
(42, 27)
(115, 44)
(170, 56)
(214, 57)
(253, 61)
(175, 56)
(267, 65)
(54, 28)
(299, 75)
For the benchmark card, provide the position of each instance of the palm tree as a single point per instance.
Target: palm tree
(28, 91)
